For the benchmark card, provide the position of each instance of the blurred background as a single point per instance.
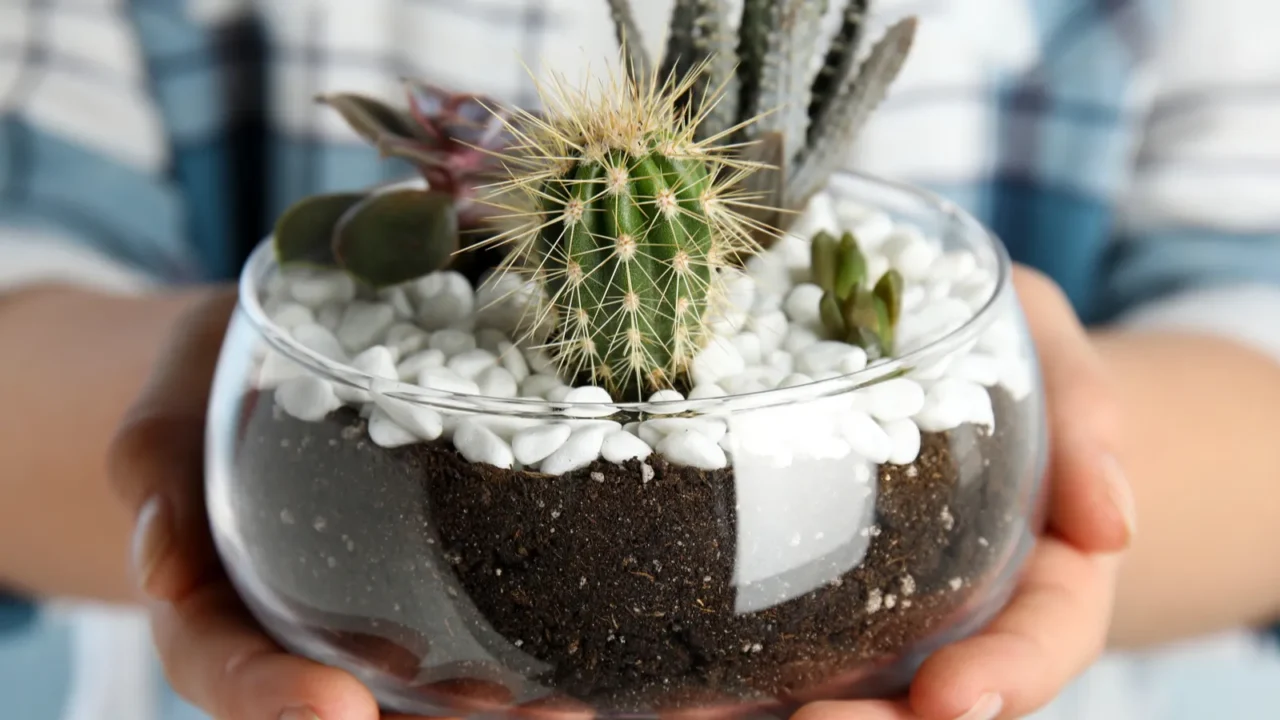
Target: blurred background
(1128, 148)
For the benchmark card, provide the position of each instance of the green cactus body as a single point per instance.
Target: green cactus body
(628, 266)
(626, 220)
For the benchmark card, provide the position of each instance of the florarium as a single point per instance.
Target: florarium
(635, 402)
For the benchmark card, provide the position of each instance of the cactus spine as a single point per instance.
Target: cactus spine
(627, 221)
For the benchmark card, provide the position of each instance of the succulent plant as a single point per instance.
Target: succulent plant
(388, 236)
(755, 88)
(626, 222)
(851, 310)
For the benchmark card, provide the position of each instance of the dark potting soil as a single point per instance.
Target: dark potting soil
(623, 588)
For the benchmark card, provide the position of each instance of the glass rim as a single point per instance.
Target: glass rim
(263, 261)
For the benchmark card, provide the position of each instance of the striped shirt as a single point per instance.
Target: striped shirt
(1125, 147)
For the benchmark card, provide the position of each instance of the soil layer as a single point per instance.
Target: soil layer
(622, 588)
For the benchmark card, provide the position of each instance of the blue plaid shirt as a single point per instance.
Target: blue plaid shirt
(1125, 147)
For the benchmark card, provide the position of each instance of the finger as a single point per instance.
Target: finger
(1054, 627)
(855, 710)
(1090, 503)
(239, 674)
(156, 458)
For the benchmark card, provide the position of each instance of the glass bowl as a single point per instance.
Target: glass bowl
(814, 531)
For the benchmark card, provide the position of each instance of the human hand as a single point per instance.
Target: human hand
(1056, 624)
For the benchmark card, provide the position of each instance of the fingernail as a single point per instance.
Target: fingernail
(299, 714)
(152, 538)
(1121, 493)
(988, 707)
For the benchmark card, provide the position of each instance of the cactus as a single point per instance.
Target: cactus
(385, 237)
(852, 312)
(755, 92)
(627, 221)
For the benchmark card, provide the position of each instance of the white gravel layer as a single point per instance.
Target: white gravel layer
(442, 335)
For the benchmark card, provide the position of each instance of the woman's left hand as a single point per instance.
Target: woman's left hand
(1056, 624)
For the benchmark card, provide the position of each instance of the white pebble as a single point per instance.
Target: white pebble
(497, 382)
(1001, 338)
(307, 398)
(748, 346)
(594, 402)
(559, 393)
(765, 303)
(976, 367)
(931, 322)
(318, 339)
(853, 362)
(720, 359)
(668, 403)
(909, 252)
(582, 447)
(277, 368)
(706, 391)
(727, 321)
(949, 403)
(443, 298)
(410, 367)
(769, 269)
(513, 360)
(479, 444)
(387, 433)
(894, 399)
(398, 298)
(404, 339)
(795, 380)
(819, 214)
(877, 266)
(362, 323)
(422, 421)
(1017, 377)
(938, 290)
(829, 355)
(536, 443)
(865, 436)
(540, 361)
(798, 338)
(781, 361)
(651, 434)
(872, 230)
(912, 297)
(471, 363)
(323, 288)
(905, 436)
(693, 449)
(620, 446)
(802, 305)
(740, 289)
(771, 327)
(452, 342)
(953, 266)
(502, 300)
(710, 427)
(539, 385)
(290, 315)
(376, 362)
(491, 339)
(745, 383)
(446, 380)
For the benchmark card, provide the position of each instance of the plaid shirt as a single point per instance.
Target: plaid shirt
(1125, 147)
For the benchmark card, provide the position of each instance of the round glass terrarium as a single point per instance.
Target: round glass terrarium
(399, 490)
